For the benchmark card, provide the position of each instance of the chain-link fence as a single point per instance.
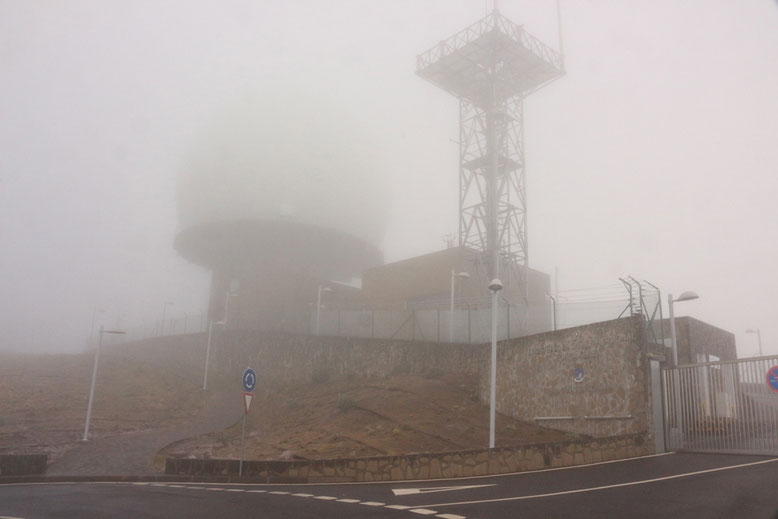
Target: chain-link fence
(470, 321)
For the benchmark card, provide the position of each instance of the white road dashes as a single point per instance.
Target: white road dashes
(419, 511)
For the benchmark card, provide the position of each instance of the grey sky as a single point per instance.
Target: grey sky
(654, 156)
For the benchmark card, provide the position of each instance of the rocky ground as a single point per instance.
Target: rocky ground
(359, 417)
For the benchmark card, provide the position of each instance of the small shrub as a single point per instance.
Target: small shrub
(320, 376)
(402, 368)
(293, 404)
(434, 372)
(345, 403)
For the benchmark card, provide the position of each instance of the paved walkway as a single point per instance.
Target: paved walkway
(133, 453)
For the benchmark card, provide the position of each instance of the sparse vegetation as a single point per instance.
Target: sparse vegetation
(434, 372)
(320, 376)
(403, 368)
(345, 403)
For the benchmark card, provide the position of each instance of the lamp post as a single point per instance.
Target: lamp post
(92, 325)
(208, 351)
(685, 296)
(322, 288)
(553, 305)
(230, 294)
(454, 275)
(495, 286)
(94, 378)
(758, 338)
(164, 313)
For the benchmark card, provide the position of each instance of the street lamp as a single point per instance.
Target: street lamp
(758, 337)
(685, 296)
(322, 288)
(553, 304)
(454, 275)
(164, 313)
(94, 377)
(495, 286)
(230, 294)
(95, 311)
(208, 351)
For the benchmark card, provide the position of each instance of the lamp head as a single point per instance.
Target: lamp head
(687, 296)
(495, 285)
(463, 275)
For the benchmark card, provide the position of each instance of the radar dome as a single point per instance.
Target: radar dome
(289, 177)
(289, 156)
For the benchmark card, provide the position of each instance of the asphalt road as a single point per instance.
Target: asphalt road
(675, 485)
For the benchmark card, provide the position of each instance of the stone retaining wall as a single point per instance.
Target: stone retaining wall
(536, 379)
(22, 464)
(423, 466)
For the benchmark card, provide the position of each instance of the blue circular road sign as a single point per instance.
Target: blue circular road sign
(772, 378)
(249, 380)
(578, 375)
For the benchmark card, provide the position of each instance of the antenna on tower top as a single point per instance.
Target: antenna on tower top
(559, 33)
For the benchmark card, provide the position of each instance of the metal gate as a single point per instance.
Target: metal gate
(727, 406)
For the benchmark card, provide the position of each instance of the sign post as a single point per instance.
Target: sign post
(249, 383)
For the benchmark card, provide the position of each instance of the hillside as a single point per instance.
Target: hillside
(44, 401)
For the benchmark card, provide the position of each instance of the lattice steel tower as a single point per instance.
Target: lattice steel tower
(491, 66)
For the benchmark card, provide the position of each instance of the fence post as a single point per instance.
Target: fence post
(438, 325)
(469, 334)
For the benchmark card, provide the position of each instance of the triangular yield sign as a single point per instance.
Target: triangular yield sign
(247, 402)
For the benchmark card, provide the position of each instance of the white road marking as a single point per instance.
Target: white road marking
(197, 488)
(303, 495)
(372, 503)
(450, 516)
(423, 511)
(159, 484)
(398, 507)
(140, 483)
(605, 487)
(348, 500)
(326, 498)
(235, 490)
(430, 490)
(214, 488)
(177, 486)
(8, 517)
(257, 491)
(279, 492)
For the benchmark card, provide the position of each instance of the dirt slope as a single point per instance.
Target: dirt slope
(349, 418)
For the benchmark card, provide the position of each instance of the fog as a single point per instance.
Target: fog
(654, 156)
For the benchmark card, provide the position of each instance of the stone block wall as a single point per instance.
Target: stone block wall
(422, 466)
(22, 464)
(536, 379)
(284, 358)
